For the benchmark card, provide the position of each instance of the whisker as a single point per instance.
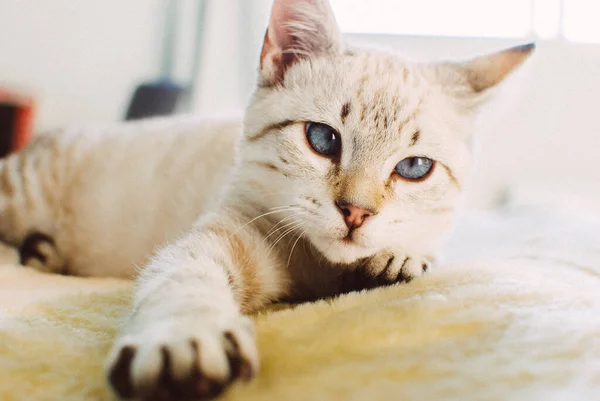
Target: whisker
(304, 247)
(256, 218)
(286, 232)
(283, 220)
(287, 225)
(277, 228)
(271, 232)
(289, 230)
(293, 246)
(291, 216)
(320, 230)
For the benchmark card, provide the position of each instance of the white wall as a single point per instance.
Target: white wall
(81, 59)
(233, 39)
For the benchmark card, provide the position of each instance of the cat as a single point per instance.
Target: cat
(344, 175)
(351, 161)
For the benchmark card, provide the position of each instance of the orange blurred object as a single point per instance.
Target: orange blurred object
(17, 113)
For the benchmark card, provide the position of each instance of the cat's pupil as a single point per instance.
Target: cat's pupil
(414, 168)
(323, 139)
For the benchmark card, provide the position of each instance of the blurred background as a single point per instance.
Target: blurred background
(69, 61)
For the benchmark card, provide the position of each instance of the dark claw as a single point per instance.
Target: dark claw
(239, 367)
(120, 374)
(245, 371)
(165, 381)
(195, 387)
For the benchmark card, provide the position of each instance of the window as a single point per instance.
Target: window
(581, 20)
(483, 18)
(575, 20)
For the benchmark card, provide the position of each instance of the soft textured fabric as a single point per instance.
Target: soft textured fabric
(513, 314)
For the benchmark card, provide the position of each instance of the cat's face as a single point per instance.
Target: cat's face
(361, 150)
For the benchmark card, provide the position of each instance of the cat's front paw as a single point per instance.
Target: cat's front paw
(392, 268)
(179, 360)
(383, 269)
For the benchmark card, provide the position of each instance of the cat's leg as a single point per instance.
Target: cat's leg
(28, 189)
(383, 269)
(189, 334)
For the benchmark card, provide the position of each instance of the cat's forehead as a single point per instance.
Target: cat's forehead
(374, 96)
(370, 71)
(374, 90)
(367, 76)
(381, 85)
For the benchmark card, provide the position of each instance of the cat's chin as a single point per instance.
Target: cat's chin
(341, 251)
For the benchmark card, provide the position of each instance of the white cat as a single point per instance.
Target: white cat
(351, 161)
(347, 175)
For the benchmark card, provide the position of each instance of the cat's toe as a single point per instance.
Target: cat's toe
(410, 268)
(402, 269)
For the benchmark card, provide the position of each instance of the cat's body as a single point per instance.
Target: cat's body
(108, 196)
(347, 173)
(99, 201)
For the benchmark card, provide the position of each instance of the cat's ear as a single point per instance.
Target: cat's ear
(298, 29)
(474, 79)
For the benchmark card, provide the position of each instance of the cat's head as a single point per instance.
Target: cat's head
(361, 150)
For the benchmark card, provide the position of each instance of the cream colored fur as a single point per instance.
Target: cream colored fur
(109, 195)
(269, 227)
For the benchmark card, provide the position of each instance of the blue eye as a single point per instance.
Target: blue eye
(323, 139)
(414, 168)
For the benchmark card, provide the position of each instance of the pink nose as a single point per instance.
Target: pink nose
(354, 216)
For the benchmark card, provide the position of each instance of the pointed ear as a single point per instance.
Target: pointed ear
(476, 77)
(298, 29)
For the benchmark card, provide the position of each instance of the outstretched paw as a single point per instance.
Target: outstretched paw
(177, 361)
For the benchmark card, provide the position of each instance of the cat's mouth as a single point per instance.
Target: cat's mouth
(351, 238)
(342, 248)
(347, 239)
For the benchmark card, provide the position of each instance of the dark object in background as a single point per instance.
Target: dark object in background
(16, 121)
(165, 96)
(158, 99)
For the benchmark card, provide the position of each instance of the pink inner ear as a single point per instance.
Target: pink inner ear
(297, 29)
(278, 38)
(281, 16)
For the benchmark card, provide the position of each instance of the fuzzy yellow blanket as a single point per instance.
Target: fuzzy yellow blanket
(516, 322)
